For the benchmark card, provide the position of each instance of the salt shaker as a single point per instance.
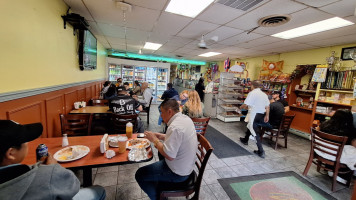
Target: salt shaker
(65, 140)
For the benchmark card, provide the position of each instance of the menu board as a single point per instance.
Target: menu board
(320, 73)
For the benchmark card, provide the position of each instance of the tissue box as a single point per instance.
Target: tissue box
(104, 144)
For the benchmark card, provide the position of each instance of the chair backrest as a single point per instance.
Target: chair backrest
(149, 106)
(328, 145)
(99, 102)
(120, 121)
(203, 154)
(76, 124)
(201, 124)
(286, 122)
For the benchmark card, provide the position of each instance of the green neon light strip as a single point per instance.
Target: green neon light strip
(157, 58)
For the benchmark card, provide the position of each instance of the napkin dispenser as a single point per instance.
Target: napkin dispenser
(104, 143)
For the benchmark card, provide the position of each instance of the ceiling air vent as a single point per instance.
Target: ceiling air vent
(274, 20)
(240, 4)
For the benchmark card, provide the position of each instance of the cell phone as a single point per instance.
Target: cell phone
(140, 135)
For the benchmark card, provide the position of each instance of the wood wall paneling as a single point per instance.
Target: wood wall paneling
(36, 112)
(93, 91)
(88, 94)
(81, 94)
(69, 99)
(54, 107)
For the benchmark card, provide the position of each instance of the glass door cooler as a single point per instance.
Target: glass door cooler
(151, 78)
(140, 74)
(128, 74)
(114, 72)
(162, 78)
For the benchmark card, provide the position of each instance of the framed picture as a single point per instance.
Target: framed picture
(346, 53)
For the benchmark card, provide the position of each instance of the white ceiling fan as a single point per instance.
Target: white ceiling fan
(202, 44)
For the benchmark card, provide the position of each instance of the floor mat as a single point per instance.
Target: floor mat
(281, 185)
(224, 147)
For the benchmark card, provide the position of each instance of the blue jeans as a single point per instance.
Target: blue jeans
(149, 176)
(94, 192)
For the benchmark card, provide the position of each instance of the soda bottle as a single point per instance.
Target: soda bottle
(41, 151)
(129, 130)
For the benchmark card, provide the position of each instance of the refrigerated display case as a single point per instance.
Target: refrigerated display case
(128, 74)
(151, 78)
(114, 72)
(162, 77)
(140, 74)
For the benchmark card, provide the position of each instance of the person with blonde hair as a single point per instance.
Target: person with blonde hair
(193, 107)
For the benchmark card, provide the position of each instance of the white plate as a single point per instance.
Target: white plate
(61, 155)
(142, 141)
(113, 141)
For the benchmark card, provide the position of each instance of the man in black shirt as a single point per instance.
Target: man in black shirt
(169, 93)
(276, 95)
(123, 104)
(276, 112)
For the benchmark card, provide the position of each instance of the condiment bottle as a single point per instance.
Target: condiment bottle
(129, 130)
(65, 140)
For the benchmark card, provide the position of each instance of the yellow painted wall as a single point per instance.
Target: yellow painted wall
(36, 51)
(291, 60)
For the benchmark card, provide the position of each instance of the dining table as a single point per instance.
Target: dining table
(93, 159)
(91, 110)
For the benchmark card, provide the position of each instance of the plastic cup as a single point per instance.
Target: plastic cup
(122, 143)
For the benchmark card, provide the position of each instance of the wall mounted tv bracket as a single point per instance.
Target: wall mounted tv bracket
(78, 22)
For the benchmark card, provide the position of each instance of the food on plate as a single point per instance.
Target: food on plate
(139, 143)
(70, 153)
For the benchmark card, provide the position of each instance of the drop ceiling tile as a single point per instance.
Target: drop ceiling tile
(152, 4)
(342, 8)
(219, 14)
(79, 8)
(158, 38)
(274, 45)
(317, 3)
(115, 40)
(297, 47)
(112, 30)
(192, 45)
(222, 32)
(171, 24)
(182, 51)
(101, 38)
(179, 41)
(135, 34)
(107, 12)
(166, 49)
(335, 41)
(231, 50)
(259, 41)
(250, 20)
(94, 28)
(243, 37)
(197, 28)
(119, 47)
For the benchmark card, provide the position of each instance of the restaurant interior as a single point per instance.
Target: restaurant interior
(66, 49)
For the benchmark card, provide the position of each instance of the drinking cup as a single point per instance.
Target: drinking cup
(122, 143)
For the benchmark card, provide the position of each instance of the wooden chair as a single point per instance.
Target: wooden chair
(192, 184)
(99, 102)
(201, 124)
(282, 131)
(147, 111)
(326, 150)
(76, 124)
(120, 121)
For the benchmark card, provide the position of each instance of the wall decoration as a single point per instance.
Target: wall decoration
(320, 73)
(268, 68)
(348, 53)
(227, 65)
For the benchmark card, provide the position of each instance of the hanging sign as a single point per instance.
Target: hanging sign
(320, 73)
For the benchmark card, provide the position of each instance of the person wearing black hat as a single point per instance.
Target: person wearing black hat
(276, 95)
(43, 180)
(124, 104)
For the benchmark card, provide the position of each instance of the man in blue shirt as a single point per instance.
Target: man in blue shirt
(169, 93)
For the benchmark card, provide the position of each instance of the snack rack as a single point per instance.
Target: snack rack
(229, 98)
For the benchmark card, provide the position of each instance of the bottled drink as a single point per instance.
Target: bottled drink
(65, 140)
(129, 130)
(41, 151)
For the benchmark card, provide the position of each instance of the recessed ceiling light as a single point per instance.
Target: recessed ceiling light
(152, 46)
(328, 24)
(209, 54)
(189, 8)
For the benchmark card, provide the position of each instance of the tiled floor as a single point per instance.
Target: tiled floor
(120, 184)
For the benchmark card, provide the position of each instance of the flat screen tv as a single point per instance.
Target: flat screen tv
(87, 50)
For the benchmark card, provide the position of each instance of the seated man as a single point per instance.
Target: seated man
(127, 88)
(146, 95)
(276, 95)
(123, 104)
(275, 117)
(178, 146)
(169, 93)
(43, 180)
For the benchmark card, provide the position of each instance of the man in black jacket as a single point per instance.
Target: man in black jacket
(169, 93)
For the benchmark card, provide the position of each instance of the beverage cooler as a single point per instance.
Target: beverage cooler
(128, 74)
(114, 72)
(151, 78)
(162, 80)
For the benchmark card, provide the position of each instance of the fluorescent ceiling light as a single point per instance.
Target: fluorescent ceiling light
(152, 46)
(316, 27)
(189, 8)
(209, 54)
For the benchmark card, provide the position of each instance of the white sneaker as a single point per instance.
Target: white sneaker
(252, 137)
(338, 178)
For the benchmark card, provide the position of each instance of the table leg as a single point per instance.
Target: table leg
(87, 177)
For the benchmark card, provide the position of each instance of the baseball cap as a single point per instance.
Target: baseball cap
(15, 134)
(276, 92)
